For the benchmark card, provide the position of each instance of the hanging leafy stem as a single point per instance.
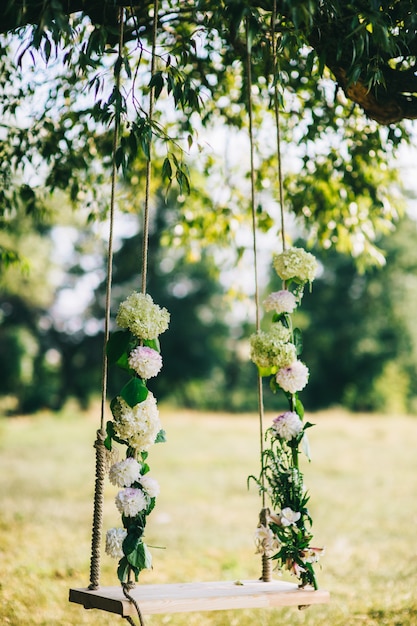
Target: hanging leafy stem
(286, 535)
(135, 425)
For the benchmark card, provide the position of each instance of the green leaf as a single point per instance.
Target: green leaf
(117, 345)
(152, 343)
(157, 82)
(299, 408)
(110, 435)
(134, 392)
(298, 340)
(161, 436)
(267, 371)
(140, 558)
(123, 569)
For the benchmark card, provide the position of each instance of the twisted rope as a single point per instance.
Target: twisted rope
(277, 120)
(266, 562)
(126, 588)
(99, 444)
(145, 238)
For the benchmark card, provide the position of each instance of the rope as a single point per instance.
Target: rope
(266, 562)
(277, 120)
(126, 587)
(145, 246)
(145, 239)
(99, 444)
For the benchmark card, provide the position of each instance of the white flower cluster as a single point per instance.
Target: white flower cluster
(281, 301)
(273, 348)
(114, 542)
(138, 425)
(125, 473)
(149, 485)
(145, 361)
(293, 377)
(296, 263)
(131, 501)
(287, 426)
(142, 317)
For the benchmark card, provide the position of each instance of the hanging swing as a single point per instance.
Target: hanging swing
(128, 600)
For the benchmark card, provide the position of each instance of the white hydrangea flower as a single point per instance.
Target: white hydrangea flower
(138, 425)
(293, 377)
(125, 473)
(142, 317)
(114, 542)
(149, 485)
(296, 263)
(272, 349)
(266, 541)
(131, 501)
(289, 517)
(145, 361)
(281, 301)
(287, 425)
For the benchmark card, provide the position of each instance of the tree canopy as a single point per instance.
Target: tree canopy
(58, 61)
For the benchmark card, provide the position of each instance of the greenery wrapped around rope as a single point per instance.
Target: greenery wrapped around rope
(135, 425)
(284, 535)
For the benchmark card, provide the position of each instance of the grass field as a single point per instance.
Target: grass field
(362, 481)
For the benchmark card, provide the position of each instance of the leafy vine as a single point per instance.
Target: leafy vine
(285, 535)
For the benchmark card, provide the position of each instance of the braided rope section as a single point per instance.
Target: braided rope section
(126, 588)
(98, 510)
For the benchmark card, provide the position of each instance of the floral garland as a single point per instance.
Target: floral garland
(135, 424)
(285, 534)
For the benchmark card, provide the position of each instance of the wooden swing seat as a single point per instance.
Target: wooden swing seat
(198, 596)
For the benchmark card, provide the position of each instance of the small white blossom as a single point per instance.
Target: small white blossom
(149, 485)
(142, 317)
(287, 425)
(281, 301)
(312, 555)
(289, 517)
(145, 361)
(266, 541)
(295, 263)
(125, 473)
(114, 542)
(293, 377)
(131, 501)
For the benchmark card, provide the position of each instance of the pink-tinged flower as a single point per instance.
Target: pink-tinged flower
(312, 555)
(131, 501)
(125, 473)
(287, 425)
(294, 568)
(289, 517)
(293, 377)
(149, 485)
(145, 361)
(281, 301)
(114, 542)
